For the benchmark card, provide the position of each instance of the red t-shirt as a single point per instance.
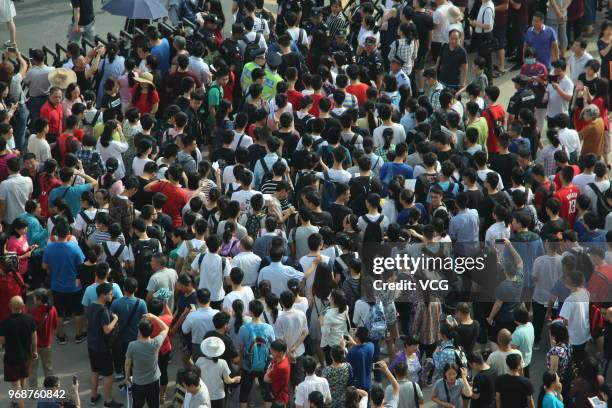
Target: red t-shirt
(142, 104)
(295, 97)
(65, 137)
(598, 285)
(493, 112)
(567, 196)
(166, 346)
(501, 17)
(55, 117)
(46, 322)
(228, 89)
(279, 377)
(360, 91)
(315, 104)
(177, 198)
(577, 171)
(10, 285)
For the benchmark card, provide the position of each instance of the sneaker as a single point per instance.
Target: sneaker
(61, 340)
(79, 338)
(94, 400)
(113, 404)
(119, 377)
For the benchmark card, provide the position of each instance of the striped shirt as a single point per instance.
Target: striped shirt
(335, 23)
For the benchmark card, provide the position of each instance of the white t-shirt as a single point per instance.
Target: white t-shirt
(244, 198)
(546, 271)
(183, 251)
(399, 134)
(294, 33)
(440, 20)
(244, 143)
(80, 224)
(138, 165)
(198, 400)
(311, 383)
(336, 175)
(570, 140)
(582, 179)
(212, 374)
(602, 185)
(289, 327)
(486, 15)
(249, 263)
(246, 295)
(556, 104)
(211, 275)
(362, 224)
(305, 262)
(575, 310)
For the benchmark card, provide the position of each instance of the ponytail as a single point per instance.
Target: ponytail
(238, 308)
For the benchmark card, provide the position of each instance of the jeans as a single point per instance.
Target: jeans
(148, 393)
(88, 32)
(561, 28)
(590, 7)
(20, 121)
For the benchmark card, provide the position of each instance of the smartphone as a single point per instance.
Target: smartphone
(375, 366)
(450, 319)
(11, 49)
(215, 165)
(500, 241)
(74, 379)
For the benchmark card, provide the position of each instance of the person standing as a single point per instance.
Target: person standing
(7, 15)
(163, 277)
(37, 80)
(14, 192)
(543, 40)
(440, 27)
(141, 362)
(277, 376)
(512, 390)
(45, 316)
(18, 337)
(82, 21)
(61, 260)
(575, 314)
(483, 386)
(452, 62)
(100, 324)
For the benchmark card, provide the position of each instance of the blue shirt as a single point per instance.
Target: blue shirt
(72, 196)
(162, 51)
(408, 121)
(550, 401)
(391, 169)
(278, 275)
(360, 358)
(515, 144)
(36, 233)
(91, 296)
(463, 228)
(62, 260)
(122, 307)
(402, 216)
(542, 43)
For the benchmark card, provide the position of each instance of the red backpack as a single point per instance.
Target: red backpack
(47, 183)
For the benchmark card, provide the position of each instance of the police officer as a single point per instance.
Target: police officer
(209, 27)
(317, 32)
(258, 62)
(522, 98)
(396, 70)
(372, 60)
(339, 44)
(272, 78)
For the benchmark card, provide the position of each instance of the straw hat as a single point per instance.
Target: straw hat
(212, 347)
(145, 78)
(455, 14)
(62, 77)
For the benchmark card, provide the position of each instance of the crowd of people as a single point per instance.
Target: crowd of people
(210, 202)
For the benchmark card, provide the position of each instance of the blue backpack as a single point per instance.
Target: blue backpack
(257, 357)
(329, 192)
(377, 323)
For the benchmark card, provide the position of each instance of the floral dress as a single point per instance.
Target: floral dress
(564, 354)
(338, 379)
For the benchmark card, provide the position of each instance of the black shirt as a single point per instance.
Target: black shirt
(338, 213)
(474, 198)
(142, 197)
(225, 154)
(514, 390)
(484, 384)
(322, 219)
(256, 152)
(86, 11)
(230, 352)
(86, 274)
(503, 165)
(424, 24)
(112, 103)
(467, 334)
(451, 62)
(17, 329)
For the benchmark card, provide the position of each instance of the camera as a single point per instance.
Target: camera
(552, 78)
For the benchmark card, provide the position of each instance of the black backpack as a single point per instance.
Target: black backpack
(92, 166)
(117, 274)
(422, 186)
(90, 226)
(583, 262)
(267, 176)
(358, 200)
(602, 207)
(373, 230)
(350, 144)
(143, 252)
(251, 49)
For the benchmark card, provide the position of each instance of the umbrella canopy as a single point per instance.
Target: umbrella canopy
(136, 9)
